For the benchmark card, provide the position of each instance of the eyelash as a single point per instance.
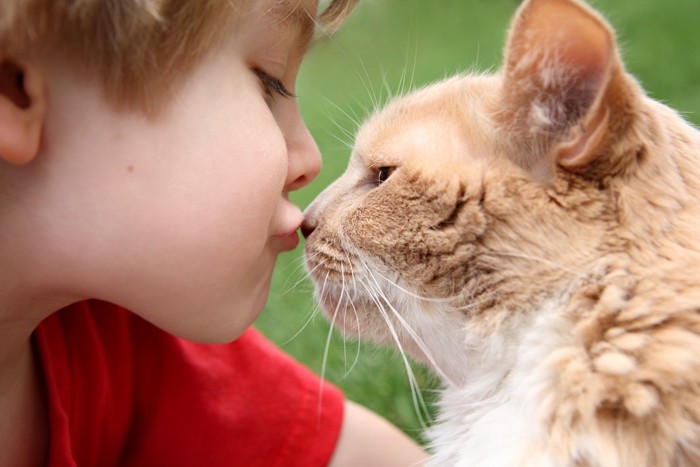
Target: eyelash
(272, 86)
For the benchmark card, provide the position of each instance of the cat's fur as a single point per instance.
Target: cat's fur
(535, 239)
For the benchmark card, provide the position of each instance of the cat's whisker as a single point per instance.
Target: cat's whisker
(352, 273)
(292, 269)
(343, 291)
(375, 293)
(417, 397)
(301, 260)
(314, 311)
(473, 304)
(287, 288)
(357, 317)
(334, 318)
(321, 382)
(362, 105)
(304, 278)
(346, 133)
(411, 294)
(387, 88)
(297, 262)
(359, 341)
(366, 79)
(371, 93)
(316, 307)
(402, 80)
(473, 299)
(353, 118)
(413, 72)
(412, 333)
(403, 86)
(347, 143)
(320, 264)
(326, 350)
(513, 254)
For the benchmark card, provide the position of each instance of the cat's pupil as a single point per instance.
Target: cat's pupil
(383, 174)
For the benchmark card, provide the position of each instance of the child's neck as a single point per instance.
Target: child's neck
(23, 413)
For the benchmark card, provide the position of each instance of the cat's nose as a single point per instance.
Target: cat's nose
(307, 228)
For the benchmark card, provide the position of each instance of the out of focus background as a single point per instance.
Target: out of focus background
(389, 45)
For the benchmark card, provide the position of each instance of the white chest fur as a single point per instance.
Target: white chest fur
(495, 418)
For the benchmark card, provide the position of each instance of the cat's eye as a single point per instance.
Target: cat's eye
(383, 173)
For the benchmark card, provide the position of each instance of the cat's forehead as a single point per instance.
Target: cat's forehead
(439, 123)
(413, 140)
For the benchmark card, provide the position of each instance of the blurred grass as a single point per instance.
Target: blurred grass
(389, 42)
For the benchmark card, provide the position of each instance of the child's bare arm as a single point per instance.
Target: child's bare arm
(368, 440)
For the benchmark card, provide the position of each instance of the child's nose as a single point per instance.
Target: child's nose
(304, 159)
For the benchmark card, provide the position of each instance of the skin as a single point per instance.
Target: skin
(155, 213)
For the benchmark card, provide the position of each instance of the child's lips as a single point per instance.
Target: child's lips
(288, 241)
(290, 221)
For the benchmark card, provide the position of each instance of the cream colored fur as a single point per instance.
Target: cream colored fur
(534, 238)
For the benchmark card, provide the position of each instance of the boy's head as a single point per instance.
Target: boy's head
(138, 47)
(177, 213)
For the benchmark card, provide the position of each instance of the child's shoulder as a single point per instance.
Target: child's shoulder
(115, 381)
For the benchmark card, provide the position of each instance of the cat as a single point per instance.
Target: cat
(531, 235)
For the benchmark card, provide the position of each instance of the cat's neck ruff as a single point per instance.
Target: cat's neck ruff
(501, 384)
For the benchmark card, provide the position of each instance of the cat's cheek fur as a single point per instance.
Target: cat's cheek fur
(433, 247)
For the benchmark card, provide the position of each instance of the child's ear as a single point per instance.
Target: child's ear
(23, 103)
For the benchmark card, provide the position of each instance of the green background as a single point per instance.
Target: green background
(387, 45)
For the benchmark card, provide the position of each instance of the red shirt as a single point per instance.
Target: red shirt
(122, 392)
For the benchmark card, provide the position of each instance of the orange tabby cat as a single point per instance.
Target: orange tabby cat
(534, 236)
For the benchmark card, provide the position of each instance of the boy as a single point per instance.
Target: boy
(147, 148)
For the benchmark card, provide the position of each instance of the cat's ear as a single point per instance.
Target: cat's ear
(559, 60)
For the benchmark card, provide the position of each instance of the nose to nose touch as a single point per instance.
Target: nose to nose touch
(307, 228)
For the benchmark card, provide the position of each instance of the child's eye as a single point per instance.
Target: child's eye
(272, 86)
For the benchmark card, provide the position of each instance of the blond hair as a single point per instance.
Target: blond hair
(139, 48)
